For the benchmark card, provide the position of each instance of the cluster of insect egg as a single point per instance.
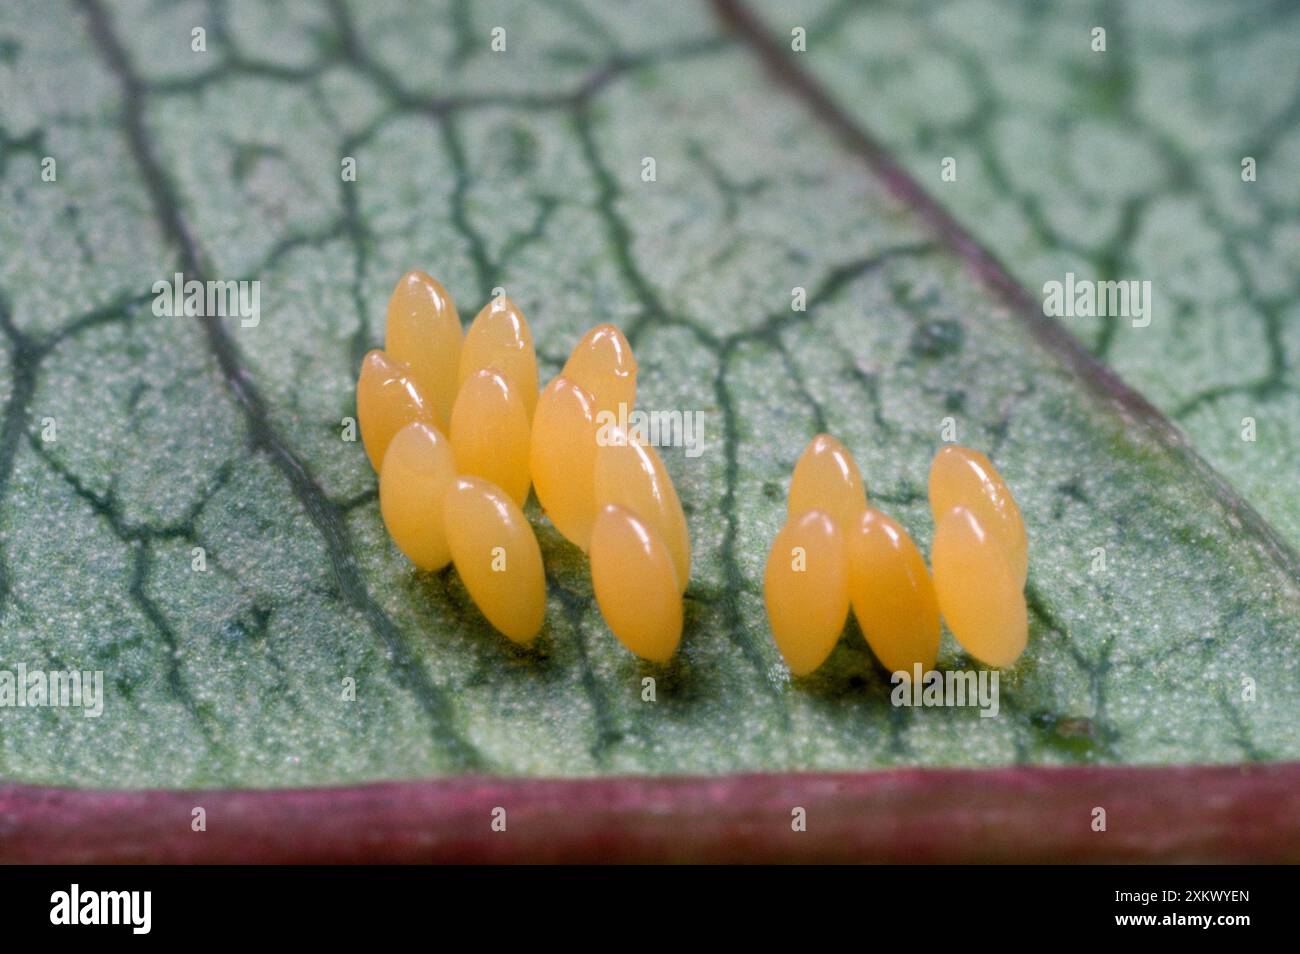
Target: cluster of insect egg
(458, 498)
(837, 552)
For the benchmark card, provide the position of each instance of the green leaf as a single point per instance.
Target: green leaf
(1118, 164)
(523, 169)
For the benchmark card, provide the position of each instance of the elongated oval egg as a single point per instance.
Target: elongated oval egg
(497, 556)
(806, 589)
(602, 362)
(980, 594)
(632, 475)
(562, 458)
(892, 594)
(635, 584)
(826, 478)
(387, 400)
(490, 433)
(418, 468)
(961, 477)
(499, 338)
(423, 332)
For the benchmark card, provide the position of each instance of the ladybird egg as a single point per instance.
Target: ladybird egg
(490, 433)
(499, 338)
(632, 475)
(387, 400)
(496, 555)
(979, 592)
(892, 594)
(806, 589)
(417, 470)
(961, 477)
(423, 332)
(635, 584)
(602, 362)
(826, 478)
(562, 458)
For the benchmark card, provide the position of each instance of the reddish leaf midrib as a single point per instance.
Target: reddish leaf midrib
(1248, 813)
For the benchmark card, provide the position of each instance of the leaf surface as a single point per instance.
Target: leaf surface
(1123, 164)
(523, 169)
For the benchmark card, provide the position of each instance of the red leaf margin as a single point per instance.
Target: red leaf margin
(1246, 813)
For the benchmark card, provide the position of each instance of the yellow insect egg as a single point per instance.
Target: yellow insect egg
(892, 594)
(979, 592)
(826, 478)
(603, 363)
(499, 338)
(562, 458)
(417, 470)
(387, 400)
(635, 583)
(632, 475)
(497, 557)
(806, 589)
(490, 433)
(961, 477)
(423, 332)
